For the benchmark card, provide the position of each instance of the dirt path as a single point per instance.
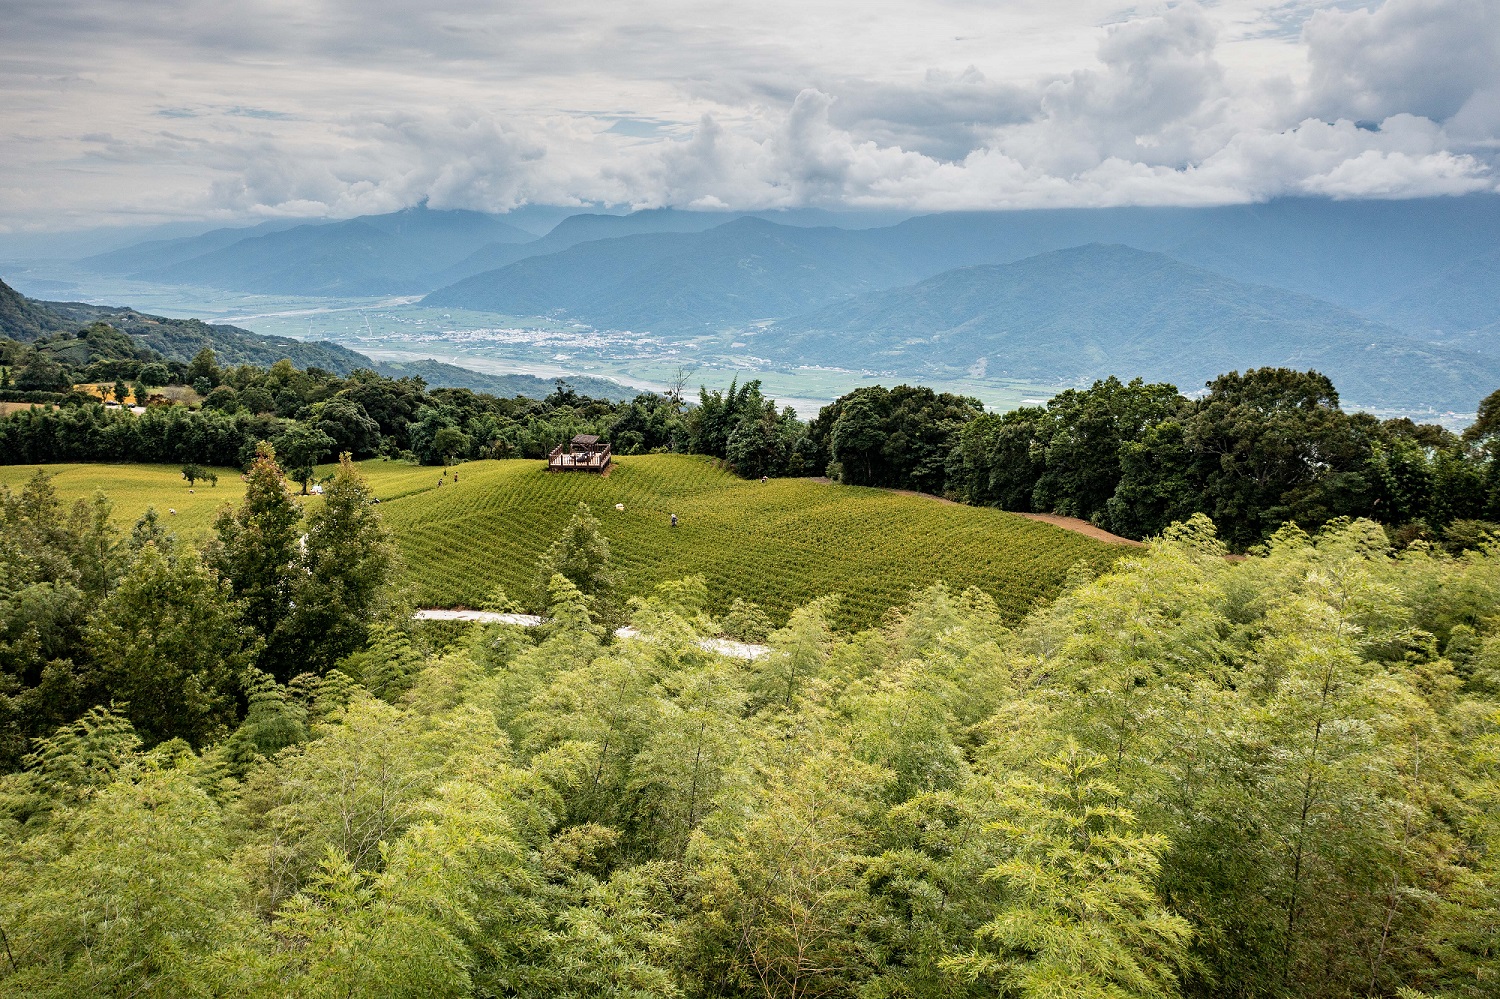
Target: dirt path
(1073, 524)
(1080, 527)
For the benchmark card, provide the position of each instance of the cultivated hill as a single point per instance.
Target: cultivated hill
(738, 272)
(372, 255)
(1096, 310)
(780, 544)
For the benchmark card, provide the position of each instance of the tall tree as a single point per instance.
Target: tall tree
(170, 644)
(1083, 918)
(346, 561)
(256, 547)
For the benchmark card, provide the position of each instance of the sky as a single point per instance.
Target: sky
(171, 110)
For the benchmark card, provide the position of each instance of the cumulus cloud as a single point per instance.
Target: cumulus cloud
(1422, 57)
(339, 109)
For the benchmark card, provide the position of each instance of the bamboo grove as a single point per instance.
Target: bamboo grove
(1193, 775)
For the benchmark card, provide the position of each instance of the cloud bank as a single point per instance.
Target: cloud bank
(169, 109)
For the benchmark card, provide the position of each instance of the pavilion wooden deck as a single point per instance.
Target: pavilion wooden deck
(583, 454)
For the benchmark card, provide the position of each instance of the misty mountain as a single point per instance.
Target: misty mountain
(372, 255)
(157, 254)
(1360, 255)
(1461, 300)
(1092, 311)
(737, 272)
(440, 375)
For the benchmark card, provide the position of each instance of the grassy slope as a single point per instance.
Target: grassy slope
(132, 488)
(779, 544)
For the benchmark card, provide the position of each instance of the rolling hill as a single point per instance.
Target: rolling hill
(1092, 311)
(779, 544)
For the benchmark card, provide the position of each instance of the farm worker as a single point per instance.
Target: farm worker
(762, 480)
(455, 478)
(674, 520)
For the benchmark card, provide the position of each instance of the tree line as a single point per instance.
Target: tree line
(1190, 776)
(1253, 451)
(312, 415)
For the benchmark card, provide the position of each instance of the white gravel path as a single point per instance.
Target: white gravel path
(723, 646)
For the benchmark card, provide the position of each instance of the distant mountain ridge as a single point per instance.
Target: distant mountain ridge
(27, 319)
(1092, 311)
(372, 255)
(741, 271)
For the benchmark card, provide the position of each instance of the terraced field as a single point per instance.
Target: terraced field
(779, 544)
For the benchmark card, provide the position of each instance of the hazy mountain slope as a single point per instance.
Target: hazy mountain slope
(439, 375)
(583, 228)
(1462, 300)
(23, 319)
(744, 270)
(160, 253)
(1096, 310)
(372, 255)
(1357, 254)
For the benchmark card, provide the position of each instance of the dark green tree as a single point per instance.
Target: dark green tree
(301, 447)
(169, 643)
(342, 583)
(580, 555)
(256, 547)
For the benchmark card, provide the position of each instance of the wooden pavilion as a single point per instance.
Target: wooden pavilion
(583, 454)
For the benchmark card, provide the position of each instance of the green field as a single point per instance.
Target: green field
(779, 544)
(132, 488)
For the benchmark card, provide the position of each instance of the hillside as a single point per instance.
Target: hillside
(180, 339)
(1463, 299)
(373, 255)
(156, 254)
(439, 375)
(1093, 311)
(25, 319)
(779, 544)
(740, 271)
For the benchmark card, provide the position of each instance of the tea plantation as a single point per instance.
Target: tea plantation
(779, 544)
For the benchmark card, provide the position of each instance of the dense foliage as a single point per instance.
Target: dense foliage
(1256, 450)
(1190, 776)
(91, 617)
(313, 415)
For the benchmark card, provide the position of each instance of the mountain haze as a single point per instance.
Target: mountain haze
(1092, 311)
(373, 255)
(737, 272)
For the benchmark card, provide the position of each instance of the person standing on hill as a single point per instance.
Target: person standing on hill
(674, 520)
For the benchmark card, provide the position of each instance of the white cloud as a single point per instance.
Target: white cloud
(1420, 57)
(279, 108)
